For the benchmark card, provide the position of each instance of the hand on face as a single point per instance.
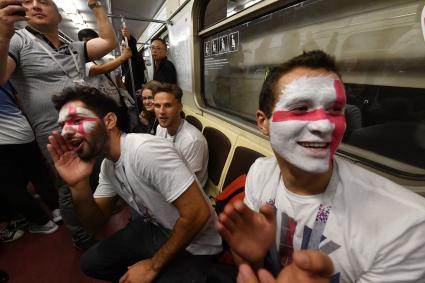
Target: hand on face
(307, 266)
(8, 9)
(250, 234)
(141, 272)
(69, 166)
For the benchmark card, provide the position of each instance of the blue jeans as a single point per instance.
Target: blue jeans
(108, 259)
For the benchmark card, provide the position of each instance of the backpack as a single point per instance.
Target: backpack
(234, 191)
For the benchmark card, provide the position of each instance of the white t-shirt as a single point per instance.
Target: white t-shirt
(375, 230)
(192, 146)
(149, 176)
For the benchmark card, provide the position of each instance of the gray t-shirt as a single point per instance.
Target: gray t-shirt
(37, 76)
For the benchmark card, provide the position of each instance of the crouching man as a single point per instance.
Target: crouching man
(372, 229)
(174, 238)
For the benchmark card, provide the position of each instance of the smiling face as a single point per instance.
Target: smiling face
(83, 129)
(42, 13)
(308, 121)
(147, 98)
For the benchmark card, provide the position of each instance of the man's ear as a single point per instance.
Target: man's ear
(110, 120)
(262, 122)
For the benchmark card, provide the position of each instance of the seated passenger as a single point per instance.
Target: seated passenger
(187, 139)
(371, 228)
(175, 235)
(147, 119)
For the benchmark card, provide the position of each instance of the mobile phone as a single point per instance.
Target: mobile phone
(19, 13)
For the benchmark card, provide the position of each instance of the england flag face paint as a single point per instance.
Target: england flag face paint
(308, 122)
(76, 120)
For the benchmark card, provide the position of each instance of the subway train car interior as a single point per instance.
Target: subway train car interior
(223, 51)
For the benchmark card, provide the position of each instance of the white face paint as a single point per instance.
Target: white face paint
(308, 122)
(76, 119)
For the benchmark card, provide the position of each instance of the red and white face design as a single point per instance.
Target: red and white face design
(76, 120)
(308, 122)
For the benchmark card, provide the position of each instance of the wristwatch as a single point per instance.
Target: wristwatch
(95, 4)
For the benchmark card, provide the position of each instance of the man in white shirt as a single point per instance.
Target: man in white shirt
(187, 139)
(175, 235)
(371, 228)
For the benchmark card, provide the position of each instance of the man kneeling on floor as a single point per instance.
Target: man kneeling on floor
(175, 237)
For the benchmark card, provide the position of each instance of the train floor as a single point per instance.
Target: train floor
(50, 258)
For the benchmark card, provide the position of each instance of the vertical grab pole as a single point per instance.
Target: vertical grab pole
(130, 68)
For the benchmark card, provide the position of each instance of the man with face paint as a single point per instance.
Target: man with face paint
(174, 237)
(40, 64)
(303, 198)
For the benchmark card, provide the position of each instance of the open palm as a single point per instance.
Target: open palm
(250, 234)
(69, 165)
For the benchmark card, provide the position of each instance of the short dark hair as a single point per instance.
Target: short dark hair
(315, 59)
(170, 88)
(87, 32)
(159, 39)
(96, 101)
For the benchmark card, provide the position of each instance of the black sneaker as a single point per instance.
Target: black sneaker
(19, 222)
(3, 277)
(10, 234)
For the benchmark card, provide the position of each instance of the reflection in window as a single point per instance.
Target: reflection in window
(379, 48)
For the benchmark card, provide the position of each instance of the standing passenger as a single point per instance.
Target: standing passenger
(371, 228)
(164, 70)
(39, 64)
(137, 64)
(174, 237)
(187, 139)
(21, 162)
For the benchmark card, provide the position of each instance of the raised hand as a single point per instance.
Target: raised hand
(8, 17)
(126, 53)
(308, 266)
(250, 234)
(67, 162)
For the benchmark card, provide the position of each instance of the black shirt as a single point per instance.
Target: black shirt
(165, 72)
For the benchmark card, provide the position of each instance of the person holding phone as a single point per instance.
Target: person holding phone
(39, 64)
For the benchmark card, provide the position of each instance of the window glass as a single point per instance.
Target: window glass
(217, 10)
(380, 50)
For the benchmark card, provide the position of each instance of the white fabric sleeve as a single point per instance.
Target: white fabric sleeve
(104, 189)
(249, 199)
(401, 260)
(88, 67)
(194, 155)
(163, 168)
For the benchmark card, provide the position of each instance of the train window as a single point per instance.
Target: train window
(217, 10)
(380, 50)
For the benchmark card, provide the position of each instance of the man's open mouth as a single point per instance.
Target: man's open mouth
(314, 145)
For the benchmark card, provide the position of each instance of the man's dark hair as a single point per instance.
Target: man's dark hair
(93, 99)
(315, 59)
(170, 88)
(159, 39)
(87, 33)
